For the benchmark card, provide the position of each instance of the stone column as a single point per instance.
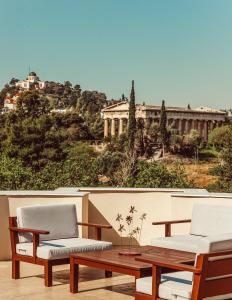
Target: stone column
(120, 129)
(195, 124)
(180, 127)
(106, 127)
(174, 123)
(126, 124)
(112, 127)
(191, 125)
(186, 126)
(205, 130)
(211, 125)
(199, 128)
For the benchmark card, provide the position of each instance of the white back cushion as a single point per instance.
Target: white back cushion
(60, 220)
(211, 219)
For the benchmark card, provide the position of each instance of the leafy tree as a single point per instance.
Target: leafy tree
(194, 140)
(132, 120)
(109, 163)
(13, 81)
(13, 175)
(217, 136)
(156, 175)
(89, 106)
(68, 84)
(62, 95)
(31, 104)
(49, 177)
(38, 138)
(226, 178)
(224, 184)
(140, 138)
(81, 167)
(176, 141)
(153, 132)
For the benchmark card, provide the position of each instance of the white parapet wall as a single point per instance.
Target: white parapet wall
(158, 204)
(101, 205)
(10, 200)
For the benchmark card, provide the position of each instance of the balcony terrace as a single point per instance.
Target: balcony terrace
(93, 286)
(95, 205)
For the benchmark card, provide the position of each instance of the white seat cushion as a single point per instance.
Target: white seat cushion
(174, 286)
(170, 283)
(60, 220)
(195, 244)
(187, 243)
(62, 248)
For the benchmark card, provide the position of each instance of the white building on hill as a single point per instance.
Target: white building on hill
(31, 80)
(10, 103)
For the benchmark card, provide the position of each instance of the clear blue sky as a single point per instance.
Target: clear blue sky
(177, 50)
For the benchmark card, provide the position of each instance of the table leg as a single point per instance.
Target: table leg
(74, 276)
(108, 274)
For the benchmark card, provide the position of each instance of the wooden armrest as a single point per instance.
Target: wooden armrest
(98, 228)
(169, 223)
(169, 265)
(35, 237)
(95, 225)
(28, 230)
(172, 222)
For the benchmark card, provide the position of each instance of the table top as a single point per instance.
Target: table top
(112, 257)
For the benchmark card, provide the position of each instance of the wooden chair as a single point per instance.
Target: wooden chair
(37, 236)
(212, 277)
(210, 230)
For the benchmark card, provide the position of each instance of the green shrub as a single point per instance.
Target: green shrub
(216, 171)
(218, 135)
(156, 175)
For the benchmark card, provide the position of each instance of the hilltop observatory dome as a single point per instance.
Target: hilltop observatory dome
(32, 74)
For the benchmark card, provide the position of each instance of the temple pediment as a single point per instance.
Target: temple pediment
(117, 107)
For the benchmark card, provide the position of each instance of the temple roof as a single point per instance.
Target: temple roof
(124, 106)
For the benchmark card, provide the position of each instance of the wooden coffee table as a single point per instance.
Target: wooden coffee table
(111, 261)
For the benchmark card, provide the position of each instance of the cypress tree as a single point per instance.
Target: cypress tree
(132, 120)
(163, 126)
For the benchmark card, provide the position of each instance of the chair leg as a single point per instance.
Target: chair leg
(15, 269)
(48, 274)
(108, 274)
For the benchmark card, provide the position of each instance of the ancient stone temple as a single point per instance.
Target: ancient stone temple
(202, 119)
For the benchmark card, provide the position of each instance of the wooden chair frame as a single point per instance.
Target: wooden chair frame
(47, 263)
(212, 275)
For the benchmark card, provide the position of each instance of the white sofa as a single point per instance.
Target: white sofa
(63, 238)
(210, 231)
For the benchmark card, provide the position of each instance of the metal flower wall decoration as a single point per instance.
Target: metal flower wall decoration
(127, 225)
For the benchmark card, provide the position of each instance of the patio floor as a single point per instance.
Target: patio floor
(93, 284)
